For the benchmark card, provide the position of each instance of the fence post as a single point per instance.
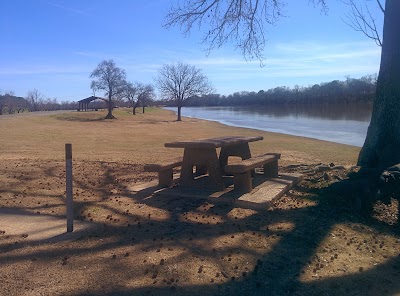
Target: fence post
(68, 175)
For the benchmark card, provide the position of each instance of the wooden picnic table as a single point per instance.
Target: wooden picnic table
(202, 154)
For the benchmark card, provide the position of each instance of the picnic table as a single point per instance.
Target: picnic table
(202, 154)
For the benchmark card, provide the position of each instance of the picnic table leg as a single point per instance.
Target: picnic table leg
(206, 159)
(201, 170)
(241, 150)
(186, 169)
(165, 178)
(271, 169)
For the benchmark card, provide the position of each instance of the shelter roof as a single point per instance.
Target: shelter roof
(92, 98)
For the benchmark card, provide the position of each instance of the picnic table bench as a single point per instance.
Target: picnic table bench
(242, 171)
(164, 170)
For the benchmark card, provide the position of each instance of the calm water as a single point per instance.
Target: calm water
(346, 124)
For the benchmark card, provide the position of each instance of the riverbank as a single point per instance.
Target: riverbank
(309, 243)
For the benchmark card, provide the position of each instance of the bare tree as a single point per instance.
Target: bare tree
(381, 145)
(180, 82)
(7, 100)
(110, 79)
(243, 22)
(138, 93)
(34, 98)
(145, 93)
(130, 93)
(10, 93)
(362, 20)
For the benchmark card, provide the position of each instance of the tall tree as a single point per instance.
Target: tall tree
(381, 145)
(179, 82)
(245, 22)
(111, 79)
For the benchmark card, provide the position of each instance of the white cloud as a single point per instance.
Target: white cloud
(69, 9)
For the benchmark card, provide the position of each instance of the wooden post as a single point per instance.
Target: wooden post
(68, 172)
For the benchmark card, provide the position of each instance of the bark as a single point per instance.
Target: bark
(179, 113)
(381, 146)
(135, 104)
(110, 109)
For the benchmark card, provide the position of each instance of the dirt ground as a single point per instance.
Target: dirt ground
(310, 242)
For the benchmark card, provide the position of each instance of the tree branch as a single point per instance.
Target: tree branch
(363, 21)
(380, 6)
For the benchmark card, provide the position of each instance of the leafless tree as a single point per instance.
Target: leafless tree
(7, 102)
(362, 20)
(130, 93)
(145, 93)
(10, 93)
(242, 22)
(180, 82)
(110, 79)
(34, 98)
(138, 93)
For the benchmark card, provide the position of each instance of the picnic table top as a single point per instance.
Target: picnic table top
(213, 142)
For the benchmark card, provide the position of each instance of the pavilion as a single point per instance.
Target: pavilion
(84, 104)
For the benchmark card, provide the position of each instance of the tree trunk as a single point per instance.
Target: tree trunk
(179, 113)
(135, 104)
(110, 109)
(382, 144)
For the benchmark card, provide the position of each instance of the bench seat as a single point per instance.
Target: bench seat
(164, 170)
(242, 171)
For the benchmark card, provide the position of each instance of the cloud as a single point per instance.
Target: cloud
(69, 9)
(291, 60)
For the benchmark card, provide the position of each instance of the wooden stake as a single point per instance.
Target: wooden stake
(68, 171)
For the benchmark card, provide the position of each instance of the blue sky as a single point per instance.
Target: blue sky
(54, 45)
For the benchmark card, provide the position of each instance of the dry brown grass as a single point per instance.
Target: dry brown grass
(140, 138)
(308, 243)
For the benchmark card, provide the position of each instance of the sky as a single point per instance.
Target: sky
(54, 45)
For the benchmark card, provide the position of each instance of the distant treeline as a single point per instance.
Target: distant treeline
(351, 90)
(10, 104)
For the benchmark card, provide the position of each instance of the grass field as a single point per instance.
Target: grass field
(140, 138)
(309, 243)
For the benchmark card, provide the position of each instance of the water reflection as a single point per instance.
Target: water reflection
(345, 124)
(357, 112)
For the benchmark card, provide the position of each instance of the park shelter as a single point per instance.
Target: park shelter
(84, 103)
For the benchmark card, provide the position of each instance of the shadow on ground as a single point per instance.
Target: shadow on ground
(309, 243)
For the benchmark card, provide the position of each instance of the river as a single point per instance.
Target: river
(346, 124)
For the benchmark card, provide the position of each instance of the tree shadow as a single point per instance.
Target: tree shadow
(79, 118)
(170, 245)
